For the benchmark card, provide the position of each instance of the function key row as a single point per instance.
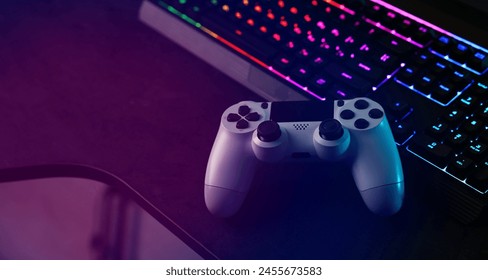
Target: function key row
(463, 54)
(455, 50)
(399, 25)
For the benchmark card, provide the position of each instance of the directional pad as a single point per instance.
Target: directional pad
(244, 110)
(253, 117)
(233, 117)
(243, 117)
(242, 124)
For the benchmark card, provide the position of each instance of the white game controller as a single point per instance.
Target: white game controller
(355, 130)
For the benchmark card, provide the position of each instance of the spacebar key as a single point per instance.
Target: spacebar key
(247, 41)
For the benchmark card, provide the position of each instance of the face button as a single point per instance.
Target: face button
(244, 110)
(331, 129)
(361, 123)
(269, 131)
(347, 114)
(375, 113)
(264, 105)
(340, 103)
(252, 117)
(361, 104)
(242, 124)
(233, 117)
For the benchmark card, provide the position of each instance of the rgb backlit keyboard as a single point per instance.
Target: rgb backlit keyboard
(432, 83)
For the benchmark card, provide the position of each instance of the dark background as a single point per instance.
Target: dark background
(84, 82)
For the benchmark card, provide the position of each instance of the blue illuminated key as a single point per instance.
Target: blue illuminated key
(454, 116)
(476, 150)
(425, 83)
(407, 74)
(442, 45)
(457, 139)
(460, 52)
(444, 92)
(460, 166)
(431, 150)
(467, 101)
(478, 61)
(472, 126)
(479, 178)
(437, 129)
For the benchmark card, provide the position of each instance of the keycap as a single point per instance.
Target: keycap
(425, 83)
(423, 35)
(460, 166)
(444, 92)
(283, 63)
(390, 20)
(457, 139)
(460, 52)
(479, 177)
(401, 131)
(442, 44)
(398, 108)
(374, 12)
(366, 49)
(454, 116)
(300, 73)
(407, 27)
(438, 129)
(304, 53)
(341, 91)
(344, 75)
(395, 44)
(407, 74)
(478, 61)
(423, 59)
(320, 84)
(482, 112)
(476, 150)
(478, 89)
(467, 102)
(459, 78)
(483, 135)
(366, 69)
(318, 61)
(439, 68)
(431, 150)
(289, 46)
(472, 126)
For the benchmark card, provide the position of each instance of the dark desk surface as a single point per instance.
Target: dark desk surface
(84, 82)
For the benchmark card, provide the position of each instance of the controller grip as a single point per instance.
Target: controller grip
(384, 200)
(229, 174)
(377, 170)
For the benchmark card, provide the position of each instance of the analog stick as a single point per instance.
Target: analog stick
(268, 131)
(331, 129)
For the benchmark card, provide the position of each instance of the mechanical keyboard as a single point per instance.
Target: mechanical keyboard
(431, 82)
